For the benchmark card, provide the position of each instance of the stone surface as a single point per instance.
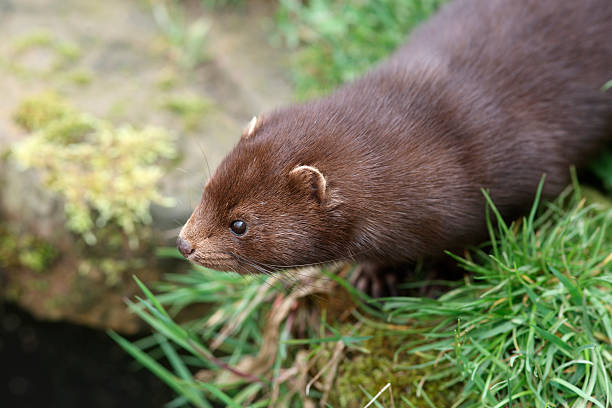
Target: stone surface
(117, 74)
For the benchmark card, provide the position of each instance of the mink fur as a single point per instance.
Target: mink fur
(486, 94)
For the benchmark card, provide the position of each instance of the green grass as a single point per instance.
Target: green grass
(186, 39)
(530, 327)
(533, 327)
(63, 53)
(602, 168)
(191, 108)
(330, 41)
(335, 41)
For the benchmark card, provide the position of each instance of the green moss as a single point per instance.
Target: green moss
(37, 112)
(595, 197)
(70, 129)
(110, 270)
(601, 166)
(105, 174)
(12, 292)
(25, 250)
(64, 52)
(37, 285)
(191, 108)
(32, 40)
(372, 366)
(81, 77)
(37, 258)
(118, 111)
(167, 79)
(68, 51)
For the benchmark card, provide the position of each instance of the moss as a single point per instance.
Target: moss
(118, 111)
(37, 285)
(25, 250)
(372, 366)
(105, 174)
(64, 52)
(38, 257)
(36, 113)
(68, 51)
(185, 40)
(81, 77)
(12, 292)
(70, 129)
(191, 108)
(167, 79)
(601, 166)
(32, 40)
(109, 270)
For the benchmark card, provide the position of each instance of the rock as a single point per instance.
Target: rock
(105, 58)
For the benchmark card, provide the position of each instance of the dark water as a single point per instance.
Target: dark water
(46, 364)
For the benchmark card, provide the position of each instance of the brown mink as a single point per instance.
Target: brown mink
(389, 168)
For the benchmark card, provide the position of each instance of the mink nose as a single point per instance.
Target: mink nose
(184, 247)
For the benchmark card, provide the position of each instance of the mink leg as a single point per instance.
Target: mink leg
(376, 280)
(379, 280)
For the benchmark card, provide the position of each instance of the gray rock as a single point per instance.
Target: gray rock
(119, 46)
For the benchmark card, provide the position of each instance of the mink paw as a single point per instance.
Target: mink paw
(375, 280)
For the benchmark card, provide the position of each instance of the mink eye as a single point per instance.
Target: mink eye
(238, 227)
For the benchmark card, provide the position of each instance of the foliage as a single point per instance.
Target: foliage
(191, 108)
(338, 40)
(534, 326)
(82, 77)
(24, 250)
(36, 113)
(105, 174)
(222, 3)
(531, 327)
(370, 368)
(224, 355)
(186, 39)
(63, 52)
(602, 167)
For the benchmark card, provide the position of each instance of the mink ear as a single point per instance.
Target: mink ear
(253, 126)
(312, 179)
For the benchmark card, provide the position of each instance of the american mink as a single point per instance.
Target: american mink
(389, 168)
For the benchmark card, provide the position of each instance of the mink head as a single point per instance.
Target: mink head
(266, 207)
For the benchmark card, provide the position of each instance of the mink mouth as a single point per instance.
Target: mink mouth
(230, 263)
(218, 262)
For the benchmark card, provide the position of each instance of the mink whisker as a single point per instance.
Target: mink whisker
(282, 276)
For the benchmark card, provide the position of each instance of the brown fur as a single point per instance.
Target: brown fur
(487, 94)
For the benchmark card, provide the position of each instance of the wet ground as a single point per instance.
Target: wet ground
(64, 365)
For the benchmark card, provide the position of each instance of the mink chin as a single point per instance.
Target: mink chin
(389, 168)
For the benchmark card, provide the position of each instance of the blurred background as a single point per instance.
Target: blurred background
(112, 116)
